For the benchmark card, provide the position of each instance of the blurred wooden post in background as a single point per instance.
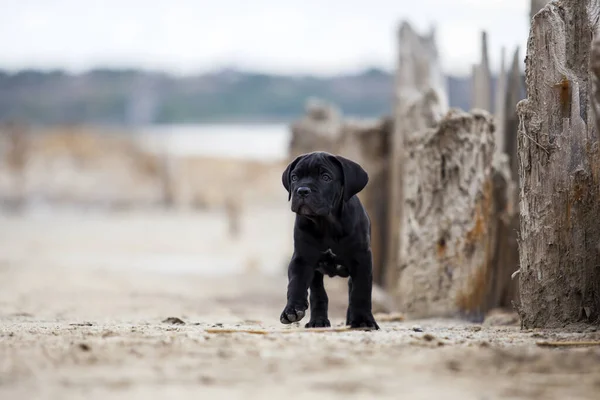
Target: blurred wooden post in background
(367, 142)
(16, 160)
(508, 93)
(514, 94)
(233, 211)
(500, 103)
(421, 100)
(320, 129)
(595, 69)
(559, 169)
(167, 179)
(482, 80)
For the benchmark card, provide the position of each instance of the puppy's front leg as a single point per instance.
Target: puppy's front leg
(319, 303)
(360, 288)
(300, 275)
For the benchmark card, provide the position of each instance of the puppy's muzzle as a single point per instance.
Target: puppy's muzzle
(303, 191)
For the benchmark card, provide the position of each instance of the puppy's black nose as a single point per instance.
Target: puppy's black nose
(303, 191)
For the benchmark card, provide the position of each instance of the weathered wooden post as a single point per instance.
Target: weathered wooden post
(502, 289)
(367, 142)
(595, 97)
(454, 199)
(16, 160)
(166, 178)
(421, 100)
(595, 68)
(514, 94)
(319, 129)
(482, 79)
(419, 68)
(506, 146)
(500, 104)
(559, 168)
(233, 212)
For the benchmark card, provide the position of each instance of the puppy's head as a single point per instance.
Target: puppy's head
(319, 182)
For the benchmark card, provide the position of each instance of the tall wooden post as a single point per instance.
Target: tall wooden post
(500, 103)
(421, 100)
(482, 79)
(559, 169)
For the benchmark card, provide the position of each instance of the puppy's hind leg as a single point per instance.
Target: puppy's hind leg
(360, 286)
(319, 303)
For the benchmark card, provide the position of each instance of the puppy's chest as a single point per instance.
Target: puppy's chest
(331, 265)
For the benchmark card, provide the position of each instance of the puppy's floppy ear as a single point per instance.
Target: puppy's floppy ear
(355, 177)
(286, 177)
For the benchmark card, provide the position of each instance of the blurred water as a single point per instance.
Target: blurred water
(167, 241)
(248, 141)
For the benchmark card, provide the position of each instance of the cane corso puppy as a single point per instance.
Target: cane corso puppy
(331, 237)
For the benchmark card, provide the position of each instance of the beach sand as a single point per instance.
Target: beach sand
(84, 298)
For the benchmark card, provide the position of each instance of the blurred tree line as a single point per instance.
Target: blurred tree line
(134, 97)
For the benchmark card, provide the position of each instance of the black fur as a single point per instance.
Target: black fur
(331, 237)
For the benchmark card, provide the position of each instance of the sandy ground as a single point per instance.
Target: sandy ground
(83, 299)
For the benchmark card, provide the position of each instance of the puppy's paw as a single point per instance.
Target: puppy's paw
(361, 319)
(291, 314)
(318, 322)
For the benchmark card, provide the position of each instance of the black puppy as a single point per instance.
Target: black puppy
(332, 236)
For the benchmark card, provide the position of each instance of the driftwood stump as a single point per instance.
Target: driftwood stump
(500, 103)
(502, 289)
(233, 210)
(16, 156)
(514, 94)
(166, 177)
(595, 68)
(506, 146)
(482, 79)
(367, 142)
(419, 67)
(319, 129)
(454, 200)
(559, 169)
(421, 100)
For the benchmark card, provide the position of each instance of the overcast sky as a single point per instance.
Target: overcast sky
(284, 36)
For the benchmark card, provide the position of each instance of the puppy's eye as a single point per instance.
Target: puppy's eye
(326, 177)
(294, 178)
